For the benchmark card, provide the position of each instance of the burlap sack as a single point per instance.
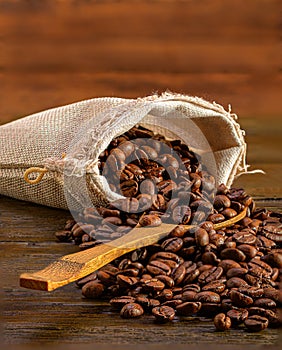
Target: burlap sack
(66, 141)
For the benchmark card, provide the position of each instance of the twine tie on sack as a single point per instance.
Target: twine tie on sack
(41, 172)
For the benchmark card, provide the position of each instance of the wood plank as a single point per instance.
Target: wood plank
(250, 95)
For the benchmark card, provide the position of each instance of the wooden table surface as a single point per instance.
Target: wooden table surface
(58, 52)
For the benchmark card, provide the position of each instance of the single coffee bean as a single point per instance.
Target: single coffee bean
(201, 237)
(236, 272)
(239, 299)
(245, 237)
(210, 275)
(222, 322)
(188, 308)
(150, 220)
(229, 213)
(93, 290)
(167, 280)
(256, 323)
(148, 187)
(227, 264)
(163, 313)
(156, 267)
(63, 235)
(208, 297)
(126, 281)
(249, 250)
(253, 292)
(221, 202)
(236, 282)
(178, 231)
(173, 244)
(233, 254)
(153, 285)
(178, 274)
(181, 214)
(189, 295)
(265, 303)
(131, 310)
(119, 302)
(216, 218)
(214, 286)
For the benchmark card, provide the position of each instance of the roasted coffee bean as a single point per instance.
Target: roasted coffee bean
(210, 258)
(245, 237)
(126, 281)
(233, 254)
(249, 250)
(153, 285)
(274, 259)
(208, 297)
(178, 231)
(188, 308)
(63, 235)
(81, 282)
(165, 295)
(192, 287)
(237, 316)
(256, 323)
(201, 237)
(265, 303)
(106, 278)
(173, 244)
(236, 282)
(167, 280)
(156, 267)
(236, 272)
(166, 256)
(158, 202)
(216, 218)
(222, 322)
(178, 274)
(148, 187)
(131, 310)
(253, 292)
(209, 309)
(227, 264)
(226, 304)
(214, 286)
(221, 202)
(172, 303)
(272, 293)
(210, 275)
(119, 302)
(181, 214)
(189, 295)
(150, 220)
(239, 299)
(163, 313)
(128, 205)
(229, 213)
(112, 220)
(92, 290)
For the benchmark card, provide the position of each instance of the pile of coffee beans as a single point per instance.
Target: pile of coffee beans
(230, 274)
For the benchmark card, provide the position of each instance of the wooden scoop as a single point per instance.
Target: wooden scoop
(72, 267)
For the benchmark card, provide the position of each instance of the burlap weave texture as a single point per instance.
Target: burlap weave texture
(82, 130)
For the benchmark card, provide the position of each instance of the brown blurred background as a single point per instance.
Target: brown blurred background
(55, 52)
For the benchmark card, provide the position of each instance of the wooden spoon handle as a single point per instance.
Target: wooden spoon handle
(72, 267)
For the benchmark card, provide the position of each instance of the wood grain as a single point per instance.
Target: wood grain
(58, 52)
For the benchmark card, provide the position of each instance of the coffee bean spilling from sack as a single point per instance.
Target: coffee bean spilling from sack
(232, 274)
(161, 180)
